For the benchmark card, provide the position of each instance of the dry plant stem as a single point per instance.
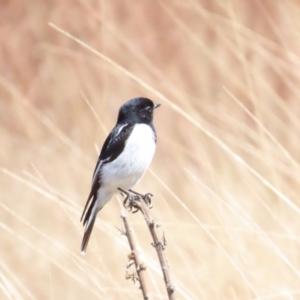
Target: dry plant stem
(159, 248)
(138, 264)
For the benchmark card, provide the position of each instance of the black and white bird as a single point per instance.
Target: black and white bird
(125, 156)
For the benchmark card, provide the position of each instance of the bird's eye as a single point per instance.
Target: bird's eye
(148, 108)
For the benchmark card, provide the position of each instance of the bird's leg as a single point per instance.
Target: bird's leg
(146, 197)
(127, 197)
(126, 194)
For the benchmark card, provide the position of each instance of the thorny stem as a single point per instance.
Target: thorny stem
(135, 257)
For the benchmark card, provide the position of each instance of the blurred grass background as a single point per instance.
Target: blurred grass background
(226, 172)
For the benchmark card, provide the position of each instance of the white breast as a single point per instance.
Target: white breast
(130, 166)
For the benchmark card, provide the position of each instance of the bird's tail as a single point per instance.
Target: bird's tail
(87, 233)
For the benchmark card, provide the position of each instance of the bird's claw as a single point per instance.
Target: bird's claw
(147, 199)
(130, 203)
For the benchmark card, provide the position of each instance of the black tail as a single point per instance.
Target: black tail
(87, 234)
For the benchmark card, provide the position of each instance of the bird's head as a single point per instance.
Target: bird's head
(137, 110)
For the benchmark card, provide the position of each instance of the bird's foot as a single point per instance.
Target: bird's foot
(132, 198)
(147, 197)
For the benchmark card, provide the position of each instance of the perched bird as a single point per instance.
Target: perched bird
(125, 156)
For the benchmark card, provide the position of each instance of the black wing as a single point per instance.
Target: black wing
(111, 149)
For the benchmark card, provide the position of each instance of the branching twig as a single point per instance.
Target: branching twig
(134, 257)
(159, 246)
(140, 202)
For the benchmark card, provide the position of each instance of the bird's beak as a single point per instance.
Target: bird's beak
(157, 105)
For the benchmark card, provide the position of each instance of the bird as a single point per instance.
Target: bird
(125, 157)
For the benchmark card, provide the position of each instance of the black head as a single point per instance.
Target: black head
(137, 110)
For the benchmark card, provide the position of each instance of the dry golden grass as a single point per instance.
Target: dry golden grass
(226, 171)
